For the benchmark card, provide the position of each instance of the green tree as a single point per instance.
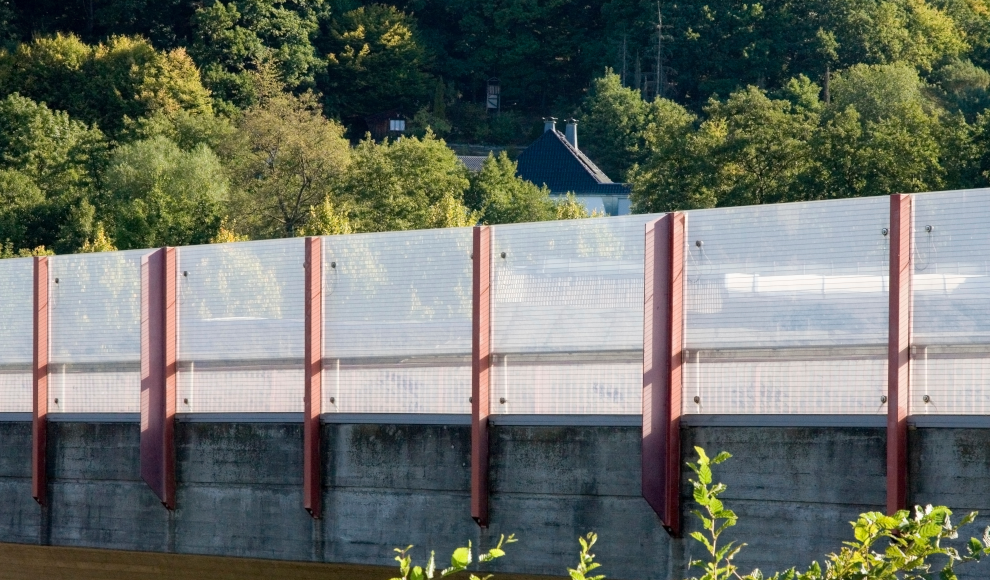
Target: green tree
(376, 61)
(326, 219)
(286, 158)
(613, 119)
(232, 38)
(164, 196)
(677, 170)
(102, 84)
(51, 164)
(765, 148)
(501, 197)
(395, 185)
(881, 135)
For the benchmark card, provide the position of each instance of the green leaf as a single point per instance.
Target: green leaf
(975, 547)
(700, 496)
(705, 474)
(702, 456)
(461, 557)
(698, 536)
(721, 457)
(417, 574)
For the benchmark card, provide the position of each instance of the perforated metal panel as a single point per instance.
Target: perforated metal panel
(397, 322)
(567, 320)
(241, 309)
(786, 308)
(951, 291)
(16, 334)
(95, 333)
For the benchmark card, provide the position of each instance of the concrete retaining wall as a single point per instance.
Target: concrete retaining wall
(240, 492)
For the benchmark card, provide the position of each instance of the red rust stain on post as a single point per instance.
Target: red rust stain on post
(480, 368)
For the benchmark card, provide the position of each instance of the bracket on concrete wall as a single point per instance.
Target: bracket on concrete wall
(313, 354)
(39, 417)
(480, 367)
(899, 350)
(158, 368)
(663, 321)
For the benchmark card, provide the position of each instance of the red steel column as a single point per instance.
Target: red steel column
(662, 346)
(314, 366)
(480, 365)
(158, 373)
(898, 350)
(39, 421)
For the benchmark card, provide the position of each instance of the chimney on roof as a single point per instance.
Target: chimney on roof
(571, 132)
(549, 124)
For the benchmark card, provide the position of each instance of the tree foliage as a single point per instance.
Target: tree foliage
(886, 547)
(232, 38)
(164, 196)
(376, 61)
(287, 157)
(395, 184)
(104, 83)
(500, 197)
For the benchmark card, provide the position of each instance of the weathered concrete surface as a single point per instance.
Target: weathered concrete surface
(385, 486)
(20, 518)
(240, 491)
(96, 496)
(389, 486)
(952, 467)
(794, 489)
(551, 485)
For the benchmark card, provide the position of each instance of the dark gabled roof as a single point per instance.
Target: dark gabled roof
(554, 162)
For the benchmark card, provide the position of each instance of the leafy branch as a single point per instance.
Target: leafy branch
(459, 561)
(897, 547)
(587, 563)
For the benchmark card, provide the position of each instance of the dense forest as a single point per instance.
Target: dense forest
(132, 123)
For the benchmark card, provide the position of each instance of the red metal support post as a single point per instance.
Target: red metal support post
(898, 350)
(158, 373)
(39, 419)
(313, 353)
(480, 369)
(663, 320)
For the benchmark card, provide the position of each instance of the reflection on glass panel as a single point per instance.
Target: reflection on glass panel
(774, 291)
(397, 322)
(567, 316)
(241, 321)
(95, 332)
(951, 309)
(16, 334)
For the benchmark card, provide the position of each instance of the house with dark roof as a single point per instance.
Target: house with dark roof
(556, 161)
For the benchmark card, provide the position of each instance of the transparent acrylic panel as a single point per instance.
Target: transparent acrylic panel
(397, 322)
(241, 326)
(567, 315)
(951, 309)
(767, 383)
(95, 332)
(16, 334)
(772, 291)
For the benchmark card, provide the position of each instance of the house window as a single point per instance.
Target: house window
(398, 125)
